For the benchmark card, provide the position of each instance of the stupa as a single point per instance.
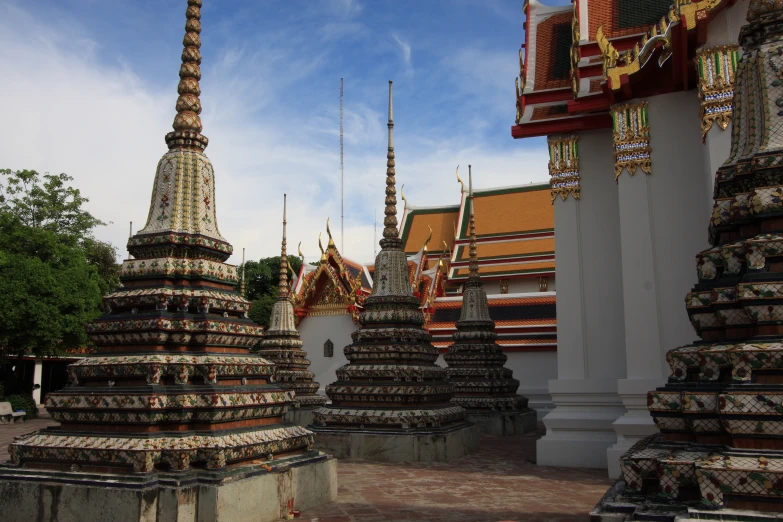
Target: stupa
(719, 455)
(476, 362)
(283, 346)
(173, 418)
(391, 402)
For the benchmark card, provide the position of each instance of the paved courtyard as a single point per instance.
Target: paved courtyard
(499, 483)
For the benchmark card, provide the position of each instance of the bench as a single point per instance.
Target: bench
(8, 415)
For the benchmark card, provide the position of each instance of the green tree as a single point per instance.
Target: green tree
(261, 280)
(52, 270)
(49, 288)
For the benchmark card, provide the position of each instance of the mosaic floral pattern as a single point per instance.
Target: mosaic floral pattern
(564, 166)
(179, 267)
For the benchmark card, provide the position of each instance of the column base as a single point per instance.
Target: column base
(398, 446)
(538, 400)
(579, 430)
(243, 494)
(636, 423)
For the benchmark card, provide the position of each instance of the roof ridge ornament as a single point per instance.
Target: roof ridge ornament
(187, 123)
(459, 179)
(329, 233)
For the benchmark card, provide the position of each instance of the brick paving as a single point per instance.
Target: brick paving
(500, 483)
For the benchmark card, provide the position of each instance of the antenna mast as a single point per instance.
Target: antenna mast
(375, 234)
(342, 191)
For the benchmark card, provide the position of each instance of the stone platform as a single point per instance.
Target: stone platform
(504, 423)
(257, 493)
(435, 445)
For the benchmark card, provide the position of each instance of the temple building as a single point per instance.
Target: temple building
(635, 98)
(391, 402)
(516, 257)
(173, 416)
(718, 455)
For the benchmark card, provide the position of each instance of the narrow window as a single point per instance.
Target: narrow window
(328, 348)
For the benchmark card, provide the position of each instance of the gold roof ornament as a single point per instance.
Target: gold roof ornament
(402, 195)
(608, 52)
(461, 183)
(321, 246)
(329, 233)
(299, 251)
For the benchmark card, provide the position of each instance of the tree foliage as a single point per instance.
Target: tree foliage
(261, 280)
(52, 270)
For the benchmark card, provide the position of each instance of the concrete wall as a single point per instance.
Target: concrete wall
(315, 331)
(519, 285)
(534, 370)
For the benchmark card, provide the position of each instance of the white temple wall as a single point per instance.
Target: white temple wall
(315, 331)
(591, 333)
(662, 227)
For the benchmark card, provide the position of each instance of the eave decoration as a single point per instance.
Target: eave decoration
(617, 65)
(716, 67)
(564, 166)
(631, 133)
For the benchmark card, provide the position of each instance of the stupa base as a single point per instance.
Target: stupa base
(302, 416)
(504, 423)
(430, 445)
(239, 493)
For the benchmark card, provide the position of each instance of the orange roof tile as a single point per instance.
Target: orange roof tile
(553, 43)
(510, 248)
(442, 222)
(512, 210)
(515, 268)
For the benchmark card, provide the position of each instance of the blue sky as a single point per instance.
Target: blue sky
(90, 87)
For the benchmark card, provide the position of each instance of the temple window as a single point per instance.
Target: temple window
(504, 286)
(543, 284)
(328, 348)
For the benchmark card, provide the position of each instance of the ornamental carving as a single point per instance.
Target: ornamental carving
(716, 67)
(564, 166)
(631, 133)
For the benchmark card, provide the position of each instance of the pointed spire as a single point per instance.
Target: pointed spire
(187, 123)
(329, 233)
(282, 288)
(242, 283)
(473, 266)
(390, 234)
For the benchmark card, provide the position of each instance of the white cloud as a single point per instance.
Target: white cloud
(65, 111)
(405, 48)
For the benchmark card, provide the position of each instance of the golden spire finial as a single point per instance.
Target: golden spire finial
(462, 183)
(187, 123)
(321, 246)
(329, 233)
(282, 286)
(390, 233)
(473, 266)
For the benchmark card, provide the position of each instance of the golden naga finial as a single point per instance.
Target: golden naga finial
(426, 241)
(402, 195)
(299, 250)
(329, 232)
(521, 69)
(321, 246)
(608, 52)
(462, 183)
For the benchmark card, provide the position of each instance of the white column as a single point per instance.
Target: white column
(37, 379)
(590, 331)
(662, 228)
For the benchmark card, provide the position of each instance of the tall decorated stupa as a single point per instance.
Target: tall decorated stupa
(391, 402)
(719, 455)
(283, 346)
(173, 418)
(476, 362)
